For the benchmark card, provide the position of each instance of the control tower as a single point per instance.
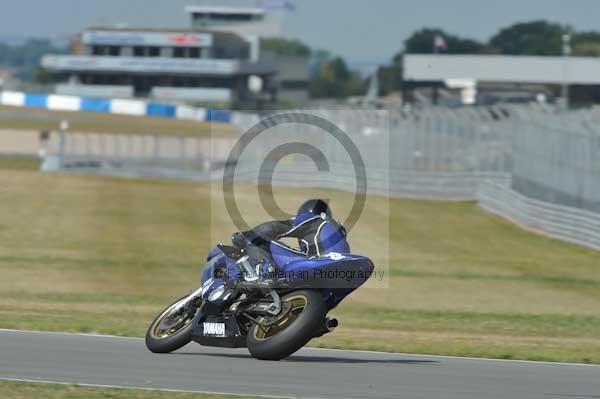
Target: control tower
(251, 23)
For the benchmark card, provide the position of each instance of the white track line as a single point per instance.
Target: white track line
(68, 333)
(146, 388)
(480, 359)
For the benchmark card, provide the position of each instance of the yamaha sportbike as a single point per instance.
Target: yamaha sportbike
(272, 307)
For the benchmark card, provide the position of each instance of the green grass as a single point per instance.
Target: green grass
(26, 390)
(104, 255)
(20, 163)
(83, 122)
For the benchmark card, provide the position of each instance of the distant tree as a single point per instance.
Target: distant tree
(587, 49)
(285, 47)
(491, 50)
(330, 76)
(330, 80)
(585, 37)
(355, 85)
(317, 59)
(335, 80)
(530, 38)
(42, 76)
(422, 42)
(586, 44)
(27, 57)
(5, 54)
(390, 76)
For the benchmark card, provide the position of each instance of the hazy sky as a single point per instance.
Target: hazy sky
(360, 30)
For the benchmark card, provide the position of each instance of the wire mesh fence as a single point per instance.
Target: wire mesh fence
(569, 224)
(557, 158)
(540, 162)
(435, 153)
(131, 155)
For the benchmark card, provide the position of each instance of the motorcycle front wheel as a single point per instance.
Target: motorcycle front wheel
(171, 329)
(292, 329)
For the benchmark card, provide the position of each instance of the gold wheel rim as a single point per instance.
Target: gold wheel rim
(178, 325)
(298, 303)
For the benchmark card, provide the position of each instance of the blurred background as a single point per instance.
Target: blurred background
(478, 125)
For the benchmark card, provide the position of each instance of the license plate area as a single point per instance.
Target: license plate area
(213, 329)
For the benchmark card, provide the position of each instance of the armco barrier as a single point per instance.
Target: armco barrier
(14, 98)
(63, 103)
(164, 110)
(128, 107)
(217, 115)
(400, 184)
(95, 105)
(117, 106)
(36, 100)
(562, 222)
(190, 113)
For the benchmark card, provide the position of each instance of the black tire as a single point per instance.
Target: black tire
(293, 337)
(171, 342)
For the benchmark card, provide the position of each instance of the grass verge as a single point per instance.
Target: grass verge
(19, 163)
(27, 390)
(104, 255)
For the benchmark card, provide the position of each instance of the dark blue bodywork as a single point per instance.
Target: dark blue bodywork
(335, 272)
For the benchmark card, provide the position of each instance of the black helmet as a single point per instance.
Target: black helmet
(315, 206)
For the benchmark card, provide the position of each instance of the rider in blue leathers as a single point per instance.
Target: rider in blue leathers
(317, 232)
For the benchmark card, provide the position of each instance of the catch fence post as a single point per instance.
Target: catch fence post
(61, 147)
(181, 140)
(156, 154)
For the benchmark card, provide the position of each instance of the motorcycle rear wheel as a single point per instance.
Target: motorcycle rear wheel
(292, 330)
(169, 332)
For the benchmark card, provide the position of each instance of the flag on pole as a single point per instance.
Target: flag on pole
(439, 44)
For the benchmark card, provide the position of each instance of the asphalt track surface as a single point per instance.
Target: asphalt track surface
(311, 373)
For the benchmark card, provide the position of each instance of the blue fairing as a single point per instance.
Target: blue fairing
(333, 240)
(282, 255)
(336, 274)
(335, 271)
(217, 260)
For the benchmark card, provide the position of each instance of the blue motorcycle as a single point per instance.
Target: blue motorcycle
(272, 307)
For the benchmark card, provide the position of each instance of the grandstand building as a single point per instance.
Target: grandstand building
(484, 79)
(216, 60)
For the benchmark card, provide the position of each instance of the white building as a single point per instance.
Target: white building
(473, 73)
(213, 61)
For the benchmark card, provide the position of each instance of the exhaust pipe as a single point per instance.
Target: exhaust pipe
(328, 326)
(331, 324)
